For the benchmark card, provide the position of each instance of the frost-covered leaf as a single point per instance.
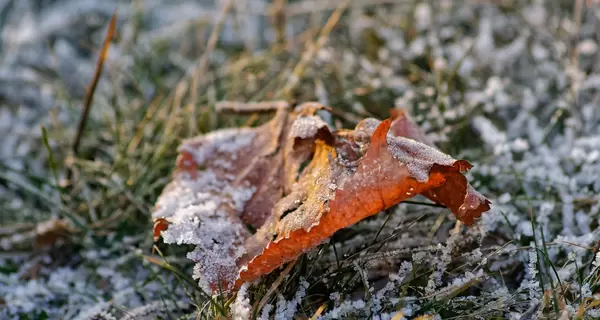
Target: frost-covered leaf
(232, 179)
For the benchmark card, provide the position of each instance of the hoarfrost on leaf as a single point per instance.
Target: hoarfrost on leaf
(373, 167)
(306, 127)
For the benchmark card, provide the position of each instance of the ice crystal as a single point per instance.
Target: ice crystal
(241, 308)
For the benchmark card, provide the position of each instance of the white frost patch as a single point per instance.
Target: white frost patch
(154, 310)
(458, 283)
(423, 16)
(185, 191)
(418, 157)
(264, 314)
(596, 262)
(366, 127)
(345, 308)
(239, 195)
(488, 132)
(306, 127)
(214, 233)
(287, 309)
(204, 211)
(221, 141)
(241, 308)
(587, 47)
(215, 265)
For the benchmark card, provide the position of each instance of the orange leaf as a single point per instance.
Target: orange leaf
(380, 181)
(232, 178)
(456, 194)
(160, 225)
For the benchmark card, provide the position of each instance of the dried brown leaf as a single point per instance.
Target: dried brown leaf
(234, 178)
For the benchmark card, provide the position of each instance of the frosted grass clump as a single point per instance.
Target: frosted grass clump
(287, 309)
(65, 292)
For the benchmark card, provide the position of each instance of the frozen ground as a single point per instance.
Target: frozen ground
(511, 86)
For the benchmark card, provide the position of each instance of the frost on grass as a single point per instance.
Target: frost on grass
(153, 310)
(287, 309)
(241, 308)
(512, 88)
(530, 108)
(120, 286)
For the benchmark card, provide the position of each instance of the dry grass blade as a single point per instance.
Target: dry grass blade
(275, 285)
(398, 316)
(310, 6)
(278, 16)
(92, 88)
(577, 16)
(313, 48)
(317, 313)
(203, 62)
(238, 107)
